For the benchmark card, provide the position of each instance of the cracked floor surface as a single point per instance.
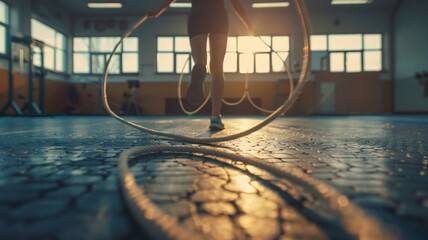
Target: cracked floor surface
(58, 177)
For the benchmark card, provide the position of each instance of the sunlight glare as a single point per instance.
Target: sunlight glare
(251, 44)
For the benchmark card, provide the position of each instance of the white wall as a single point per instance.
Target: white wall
(266, 22)
(411, 56)
(351, 21)
(276, 22)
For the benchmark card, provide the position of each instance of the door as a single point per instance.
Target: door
(327, 100)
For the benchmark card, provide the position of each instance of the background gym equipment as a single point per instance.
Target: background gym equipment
(33, 72)
(130, 106)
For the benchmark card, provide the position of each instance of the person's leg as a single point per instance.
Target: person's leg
(218, 43)
(195, 92)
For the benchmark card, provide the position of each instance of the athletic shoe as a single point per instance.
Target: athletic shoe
(195, 91)
(216, 124)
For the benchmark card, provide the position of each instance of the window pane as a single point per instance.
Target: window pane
(245, 44)
(2, 39)
(165, 44)
(49, 56)
(249, 44)
(165, 62)
(81, 44)
(345, 42)
(60, 60)
(98, 63)
(353, 62)
(318, 43)
(130, 44)
(4, 13)
(60, 41)
(337, 62)
(263, 44)
(104, 44)
(182, 63)
(42, 32)
(373, 60)
(37, 58)
(231, 44)
(53, 41)
(280, 43)
(262, 63)
(246, 63)
(278, 61)
(373, 41)
(130, 62)
(319, 60)
(182, 44)
(230, 63)
(114, 67)
(81, 63)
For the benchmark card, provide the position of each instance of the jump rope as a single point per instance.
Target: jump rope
(246, 94)
(159, 225)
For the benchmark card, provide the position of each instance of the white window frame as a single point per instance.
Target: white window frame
(4, 25)
(58, 50)
(177, 54)
(327, 53)
(92, 52)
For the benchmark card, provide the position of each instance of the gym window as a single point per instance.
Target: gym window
(244, 54)
(54, 50)
(172, 54)
(4, 21)
(90, 55)
(346, 52)
(266, 54)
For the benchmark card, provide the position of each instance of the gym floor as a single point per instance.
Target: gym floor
(58, 176)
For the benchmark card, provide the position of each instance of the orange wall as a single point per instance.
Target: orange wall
(55, 93)
(355, 93)
(359, 93)
(151, 96)
(20, 89)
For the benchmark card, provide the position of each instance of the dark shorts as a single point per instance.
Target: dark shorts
(206, 21)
